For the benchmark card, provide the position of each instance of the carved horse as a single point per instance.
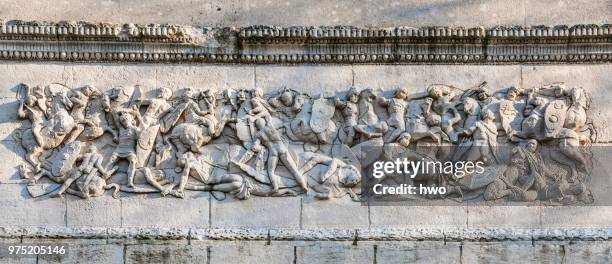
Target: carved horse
(54, 130)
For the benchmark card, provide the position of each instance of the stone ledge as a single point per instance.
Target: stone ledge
(255, 234)
(262, 44)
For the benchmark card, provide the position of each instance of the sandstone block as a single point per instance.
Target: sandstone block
(155, 211)
(512, 252)
(102, 211)
(170, 253)
(308, 79)
(342, 212)
(418, 216)
(334, 252)
(249, 252)
(258, 212)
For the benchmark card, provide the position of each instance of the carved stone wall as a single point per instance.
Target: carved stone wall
(249, 84)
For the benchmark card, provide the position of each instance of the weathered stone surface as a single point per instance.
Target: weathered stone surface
(576, 216)
(589, 252)
(334, 252)
(249, 252)
(194, 12)
(343, 213)
(13, 155)
(417, 78)
(170, 253)
(13, 192)
(309, 79)
(33, 73)
(103, 212)
(504, 216)
(105, 77)
(514, 252)
(207, 77)
(110, 253)
(103, 11)
(438, 12)
(33, 212)
(418, 216)
(80, 250)
(417, 252)
(8, 122)
(551, 11)
(155, 211)
(362, 12)
(262, 212)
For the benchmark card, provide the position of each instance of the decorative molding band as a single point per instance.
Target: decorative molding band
(322, 234)
(105, 42)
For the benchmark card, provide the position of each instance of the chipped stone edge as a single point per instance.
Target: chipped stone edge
(323, 234)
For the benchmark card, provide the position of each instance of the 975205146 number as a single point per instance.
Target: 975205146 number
(24, 249)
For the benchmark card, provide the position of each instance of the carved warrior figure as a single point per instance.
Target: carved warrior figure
(350, 112)
(127, 140)
(396, 107)
(268, 136)
(369, 125)
(244, 142)
(90, 176)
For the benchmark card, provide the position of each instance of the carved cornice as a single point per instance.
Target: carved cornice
(105, 42)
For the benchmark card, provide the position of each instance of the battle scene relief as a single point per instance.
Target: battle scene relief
(85, 141)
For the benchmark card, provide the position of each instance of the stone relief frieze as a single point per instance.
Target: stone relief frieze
(85, 141)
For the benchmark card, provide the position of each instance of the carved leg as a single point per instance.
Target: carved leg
(180, 192)
(322, 192)
(260, 161)
(272, 162)
(390, 134)
(33, 158)
(229, 183)
(151, 180)
(574, 154)
(131, 170)
(110, 130)
(290, 164)
(308, 165)
(180, 154)
(74, 175)
(39, 175)
(168, 189)
(89, 177)
(75, 133)
(398, 128)
(331, 169)
(111, 162)
(496, 190)
(350, 135)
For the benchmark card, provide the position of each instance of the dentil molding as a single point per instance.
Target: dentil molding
(158, 43)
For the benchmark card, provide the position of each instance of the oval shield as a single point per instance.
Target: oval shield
(322, 112)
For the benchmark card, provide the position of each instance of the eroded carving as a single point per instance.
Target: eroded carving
(83, 141)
